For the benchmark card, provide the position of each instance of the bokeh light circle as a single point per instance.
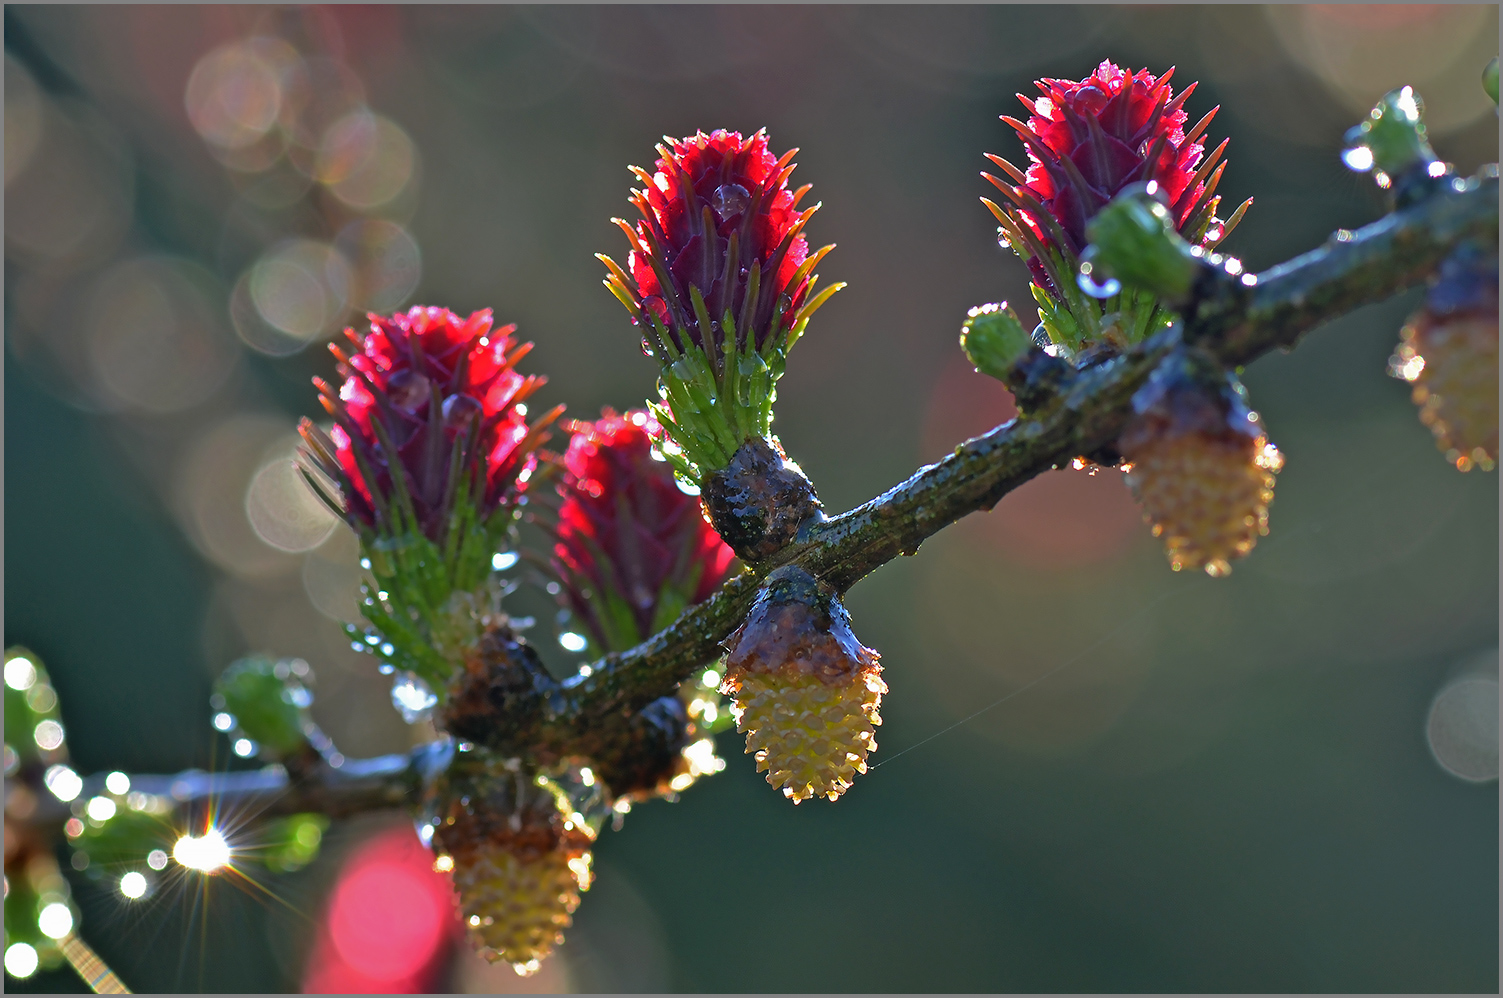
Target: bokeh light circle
(371, 160)
(55, 920)
(283, 510)
(210, 489)
(20, 960)
(387, 263)
(301, 288)
(385, 920)
(133, 885)
(1462, 726)
(235, 93)
(1362, 51)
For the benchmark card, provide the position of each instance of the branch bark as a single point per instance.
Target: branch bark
(352, 787)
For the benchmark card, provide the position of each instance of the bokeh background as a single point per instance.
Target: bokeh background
(1285, 780)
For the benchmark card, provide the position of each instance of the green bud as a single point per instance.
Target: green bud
(993, 338)
(292, 843)
(267, 701)
(1490, 79)
(1392, 139)
(1134, 241)
(125, 839)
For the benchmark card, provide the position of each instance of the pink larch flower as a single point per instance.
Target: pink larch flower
(1087, 140)
(718, 219)
(429, 423)
(632, 548)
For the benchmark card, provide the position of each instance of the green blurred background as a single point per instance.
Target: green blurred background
(1238, 785)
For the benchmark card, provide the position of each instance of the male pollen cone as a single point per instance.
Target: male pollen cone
(807, 692)
(1201, 465)
(718, 216)
(1449, 350)
(631, 546)
(518, 867)
(428, 418)
(1087, 140)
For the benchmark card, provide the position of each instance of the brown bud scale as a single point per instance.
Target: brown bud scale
(758, 501)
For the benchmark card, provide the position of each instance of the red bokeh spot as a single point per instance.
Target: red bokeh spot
(1376, 16)
(389, 922)
(963, 404)
(1061, 519)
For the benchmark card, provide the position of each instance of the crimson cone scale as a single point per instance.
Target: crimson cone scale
(632, 549)
(428, 418)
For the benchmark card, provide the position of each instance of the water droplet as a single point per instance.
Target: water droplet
(1106, 289)
(504, 560)
(655, 306)
(728, 201)
(1358, 157)
(386, 668)
(412, 697)
(409, 390)
(572, 641)
(460, 411)
(388, 649)
(751, 364)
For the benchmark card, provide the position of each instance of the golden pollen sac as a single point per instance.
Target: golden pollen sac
(519, 863)
(1449, 351)
(806, 691)
(517, 906)
(1453, 364)
(1206, 496)
(1199, 463)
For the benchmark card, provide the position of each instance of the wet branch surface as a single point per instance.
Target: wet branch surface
(353, 786)
(1086, 414)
